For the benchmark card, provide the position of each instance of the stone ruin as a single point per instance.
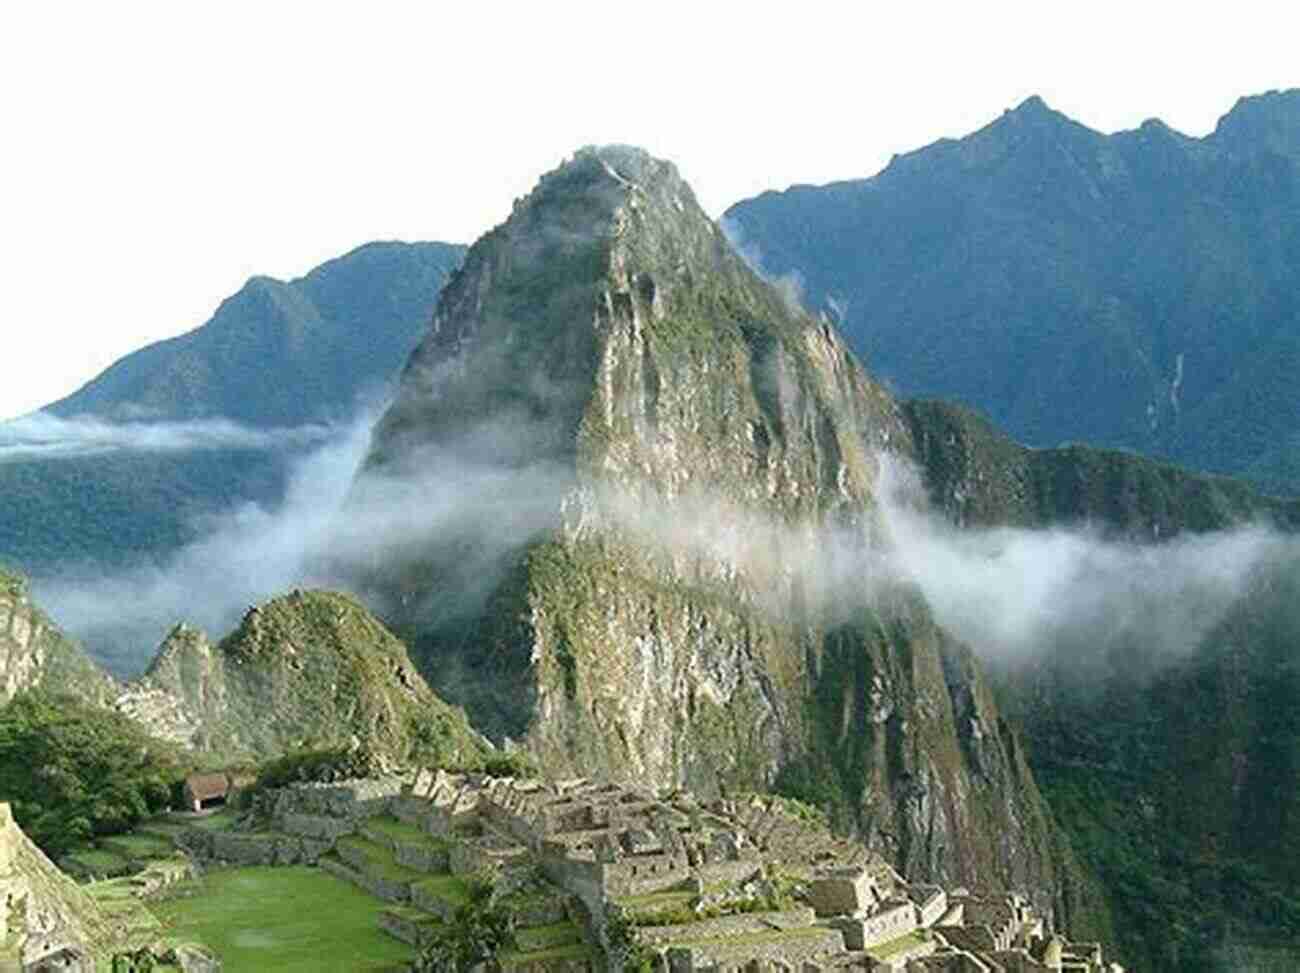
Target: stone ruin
(725, 885)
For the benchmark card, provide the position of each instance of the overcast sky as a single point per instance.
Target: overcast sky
(158, 154)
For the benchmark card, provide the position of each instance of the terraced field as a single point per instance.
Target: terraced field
(292, 919)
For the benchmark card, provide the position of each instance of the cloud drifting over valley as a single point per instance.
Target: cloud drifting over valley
(42, 435)
(1011, 594)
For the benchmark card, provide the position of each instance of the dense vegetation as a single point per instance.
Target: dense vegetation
(474, 936)
(73, 771)
(1037, 265)
(1175, 776)
(349, 762)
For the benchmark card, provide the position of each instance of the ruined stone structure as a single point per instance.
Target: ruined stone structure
(716, 886)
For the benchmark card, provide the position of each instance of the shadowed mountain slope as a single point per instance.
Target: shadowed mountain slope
(1173, 764)
(281, 360)
(1136, 290)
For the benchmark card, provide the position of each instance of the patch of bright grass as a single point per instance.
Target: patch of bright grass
(380, 861)
(570, 951)
(139, 846)
(450, 888)
(292, 920)
(401, 831)
(548, 937)
(98, 861)
(895, 946)
(220, 821)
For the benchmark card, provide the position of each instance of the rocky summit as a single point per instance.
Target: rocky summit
(34, 653)
(659, 459)
(310, 669)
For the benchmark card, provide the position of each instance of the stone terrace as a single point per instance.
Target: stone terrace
(748, 884)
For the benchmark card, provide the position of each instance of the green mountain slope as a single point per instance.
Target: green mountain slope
(1173, 769)
(1036, 266)
(276, 356)
(650, 447)
(35, 654)
(306, 670)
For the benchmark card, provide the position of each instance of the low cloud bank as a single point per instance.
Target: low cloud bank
(329, 531)
(1015, 594)
(42, 435)
(1011, 594)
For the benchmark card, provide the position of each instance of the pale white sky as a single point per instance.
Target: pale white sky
(156, 155)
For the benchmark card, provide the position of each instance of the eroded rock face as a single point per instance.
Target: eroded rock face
(659, 458)
(43, 913)
(35, 654)
(309, 669)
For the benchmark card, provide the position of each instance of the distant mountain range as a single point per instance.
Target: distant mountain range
(635, 512)
(1138, 290)
(277, 356)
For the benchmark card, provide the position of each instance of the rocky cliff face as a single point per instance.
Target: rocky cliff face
(657, 459)
(310, 669)
(35, 654)
(1171, 762)
(44, 914)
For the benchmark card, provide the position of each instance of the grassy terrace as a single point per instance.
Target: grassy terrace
(380, 861)
(450, 888)
(221, 821)
(896, 946)
(99, 861)
(292, 920)
(138, 846)
(401, 831)
(654, 900)
(756, 938)
(562, 940)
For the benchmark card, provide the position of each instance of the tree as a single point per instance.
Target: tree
(72, 770)
(476, 934)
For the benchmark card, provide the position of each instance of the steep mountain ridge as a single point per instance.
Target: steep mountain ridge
(309, 669)
(35, 654)
(1173, 768)
(605, 361)
(1037, 264)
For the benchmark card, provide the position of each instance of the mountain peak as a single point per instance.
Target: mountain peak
(1270, 121)
(1032, 106)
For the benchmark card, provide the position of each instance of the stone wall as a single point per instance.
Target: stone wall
(888, 924)
(737, 925)
(243, 848)
(846, 894)
(642, 874)
(794, 952)
(730, 873)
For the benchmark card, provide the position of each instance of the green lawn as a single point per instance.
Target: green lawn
(222, 820)
(98, 861)
(292, 920)
(139, 846)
